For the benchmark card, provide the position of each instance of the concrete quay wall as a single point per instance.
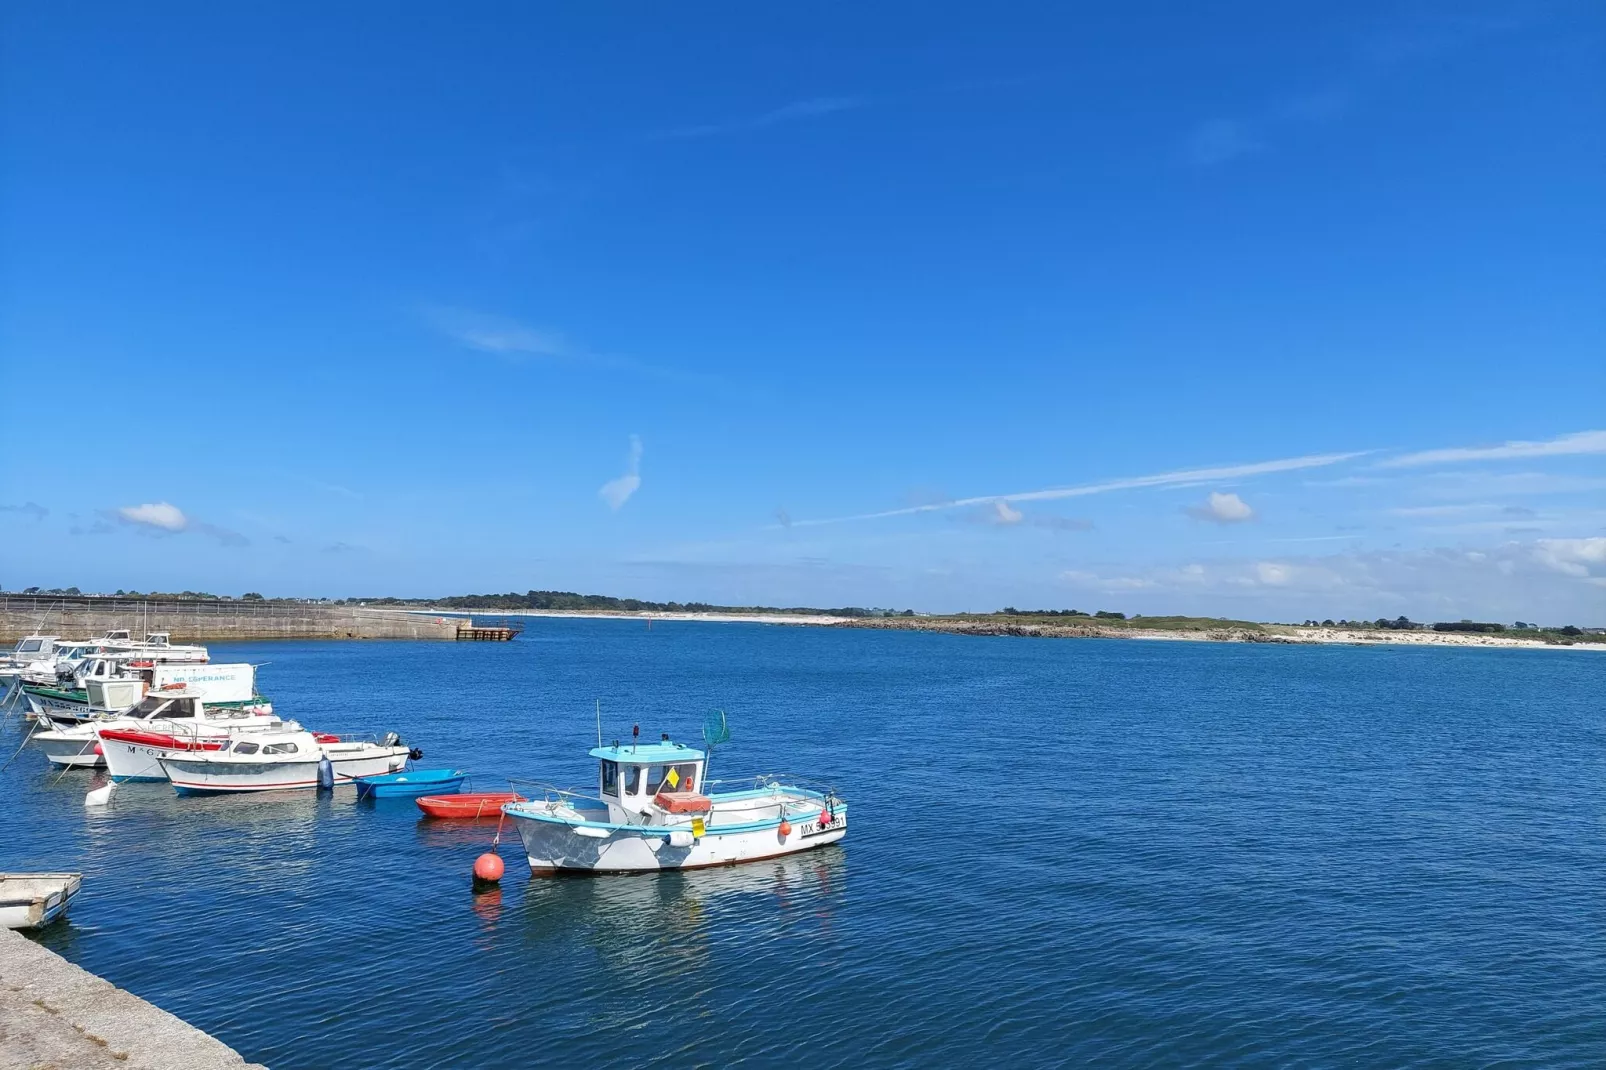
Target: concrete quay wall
(208, 621)
(54, 1014)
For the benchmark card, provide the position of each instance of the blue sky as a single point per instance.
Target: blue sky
(808, 304)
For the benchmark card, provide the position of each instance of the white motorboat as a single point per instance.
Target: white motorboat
(34, 900)
(113, 684)
(174, 720)
(648, 816)
(158, 647)
(279, 761)
(33, 656)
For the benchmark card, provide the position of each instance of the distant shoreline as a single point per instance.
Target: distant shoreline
(1269, 633)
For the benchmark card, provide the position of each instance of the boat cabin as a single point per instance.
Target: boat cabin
(115, 635)
(35, 647)
(158, 639)
(99, 669)
(651, 780)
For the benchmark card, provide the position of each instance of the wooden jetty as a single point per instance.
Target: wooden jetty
(468, 631)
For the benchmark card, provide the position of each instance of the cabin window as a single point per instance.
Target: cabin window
(279, 748)
(28, 646)
(632, 779)
(245, 748)
(610, 778)
(658, 779)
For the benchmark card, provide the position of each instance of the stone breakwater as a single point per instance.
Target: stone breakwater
(55, 1015)
(205, 621)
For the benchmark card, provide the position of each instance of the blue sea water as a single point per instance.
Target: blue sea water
(1062, 852)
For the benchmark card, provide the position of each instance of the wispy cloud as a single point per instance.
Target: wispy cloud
(797, 111)
(1003, 513)
(33, 509)
(515, 341)
(618, 491)
(1220, 508)
(496, 334)
(166, 518)
(1581, 442)
(1163, 479)
(343, 548)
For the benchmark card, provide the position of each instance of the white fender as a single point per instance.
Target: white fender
(681, 838)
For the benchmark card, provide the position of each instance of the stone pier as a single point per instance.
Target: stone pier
(56, 1016)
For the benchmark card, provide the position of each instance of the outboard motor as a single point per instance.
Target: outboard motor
(391, 740)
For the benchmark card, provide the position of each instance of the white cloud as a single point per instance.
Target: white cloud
(1164, 479)
(1566, 445)
(618, 491)
(1222, 508)
(1272, 574)
(155, 515)
(1572, 557)
(1003, 514)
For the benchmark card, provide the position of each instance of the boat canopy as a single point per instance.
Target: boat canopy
(648, 753)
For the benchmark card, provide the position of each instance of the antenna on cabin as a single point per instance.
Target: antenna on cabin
(635, 737)
(599, 724)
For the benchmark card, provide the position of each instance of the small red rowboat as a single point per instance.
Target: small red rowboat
(467, 807)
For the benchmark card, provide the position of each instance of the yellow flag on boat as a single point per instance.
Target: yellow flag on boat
(673, 777)
(697, 827)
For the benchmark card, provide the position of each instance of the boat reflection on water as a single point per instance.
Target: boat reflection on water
(676, 918)
(283, 826)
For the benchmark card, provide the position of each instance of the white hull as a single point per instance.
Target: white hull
(32, 901)
(553, 844)
(134, 761)
(70, 750)
(199, 775)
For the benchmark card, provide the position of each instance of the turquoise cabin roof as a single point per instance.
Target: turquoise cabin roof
(648, 752)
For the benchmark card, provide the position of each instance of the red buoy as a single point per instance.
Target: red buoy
(786, 829)
(488, 867)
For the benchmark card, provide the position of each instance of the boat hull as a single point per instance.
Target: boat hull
(404, 785)
(76, 751)
(196, 775)
(32, 901)
(467, 807)
(553, 845)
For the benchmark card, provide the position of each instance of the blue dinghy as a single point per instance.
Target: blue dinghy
(410, 783)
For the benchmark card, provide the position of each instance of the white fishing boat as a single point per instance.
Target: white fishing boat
(280, 761)
(34, 900)
(648, 815)
(113, 684)
(34, 655)
(170, 721)
(159, 648)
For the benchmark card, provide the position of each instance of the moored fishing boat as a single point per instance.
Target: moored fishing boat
(33, 656)
(648, 815)
(34, 900)
(279, 761)
(170, 721)
(110, 685)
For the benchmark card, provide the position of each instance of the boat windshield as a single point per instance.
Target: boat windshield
(151, 705)
(30, 646)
